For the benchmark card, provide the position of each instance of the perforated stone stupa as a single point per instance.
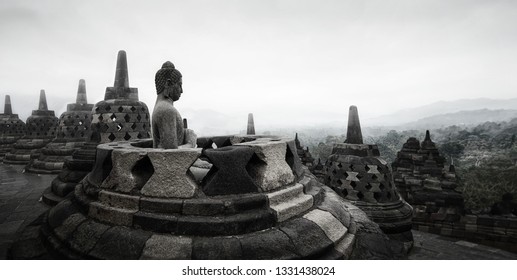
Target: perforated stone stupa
(357, 173)
(424, 181)
(119, 117)
(73, 131)
(11, 128)
(41, 129)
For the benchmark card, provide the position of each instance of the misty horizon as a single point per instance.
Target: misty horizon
(291, 63)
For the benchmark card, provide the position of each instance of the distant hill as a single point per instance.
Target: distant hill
(442, 108)
(466, 118)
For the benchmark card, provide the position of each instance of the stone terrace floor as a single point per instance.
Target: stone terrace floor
(19, 205)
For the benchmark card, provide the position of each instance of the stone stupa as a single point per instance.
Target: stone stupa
(424, 181)
(357, 173)
(41, 129)
(73, 131)
(11, 128)
(119, 117)
(257, 201)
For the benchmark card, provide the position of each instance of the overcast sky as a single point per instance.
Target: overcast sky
(289, 62)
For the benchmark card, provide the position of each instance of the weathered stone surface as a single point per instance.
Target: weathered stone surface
(119, 200)
(123, 176)
(167, 247)
(111, 215)
(86, 235)
(228, 174)
(202, 207)
(155, 222)
(289, 202)
(293, 158)
(161, 205)
(332, 227)
(69, 225)
(308, 238)
(120, 243)
(170, 177)
(216, 248)
(253, 246)
(269, 168)
(59, 213)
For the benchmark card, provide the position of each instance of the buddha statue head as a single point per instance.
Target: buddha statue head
(168, 81)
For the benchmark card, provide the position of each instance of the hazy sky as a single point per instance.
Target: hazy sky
(289, 62)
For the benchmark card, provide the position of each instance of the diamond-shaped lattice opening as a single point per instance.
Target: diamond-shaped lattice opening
(368, 186)
(381, 186)
(120, 109)
(377, 196)
(138, 117)
(334, 171)
(359, 176)
(388, 195)
(127, 136)
(133, 126)
(119, 127)
(353, 184)
(344, 192)
(113, 117)
(367, 168)
(80, 123)
(339, 165)
(108, 108)
(127, 118)
(360, 195)
(133, 108)
(374, 177)
(339, 182)
(100, 118)
(112, 137)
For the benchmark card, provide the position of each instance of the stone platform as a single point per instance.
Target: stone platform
(19, 206)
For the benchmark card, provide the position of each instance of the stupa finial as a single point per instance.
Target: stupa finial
(353, 133)
(42, 101)
(81, 93)
(121, 74)
(251, 125)
(8, 110)
(427, 136)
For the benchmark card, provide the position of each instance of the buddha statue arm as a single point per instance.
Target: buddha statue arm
(190, 140)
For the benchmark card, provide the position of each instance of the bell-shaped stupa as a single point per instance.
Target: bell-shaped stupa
(357, 173)
(72, 132)
(41, 129)
(11, 128)
(119, 117)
